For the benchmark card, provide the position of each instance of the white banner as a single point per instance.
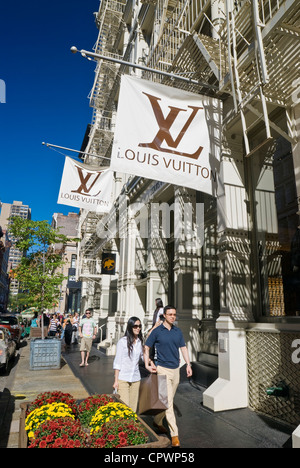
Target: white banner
(167, 134)
(86, 187)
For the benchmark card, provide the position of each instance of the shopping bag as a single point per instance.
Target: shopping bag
(153, 396)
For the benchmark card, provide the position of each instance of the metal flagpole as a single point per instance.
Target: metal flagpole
(74, 151)
(87, 54)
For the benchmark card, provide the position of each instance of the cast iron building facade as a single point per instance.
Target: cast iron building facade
(237, 293)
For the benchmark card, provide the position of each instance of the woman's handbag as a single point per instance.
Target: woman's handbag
(153, 397)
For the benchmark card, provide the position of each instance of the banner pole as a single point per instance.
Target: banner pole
(74, 151)
(87, 54)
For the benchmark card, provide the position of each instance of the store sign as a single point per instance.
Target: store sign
(167, 134)
(108, 264)
(72, 281)
(86, 187)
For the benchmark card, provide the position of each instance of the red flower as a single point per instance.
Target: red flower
(58, 442)
(119, 433)
(68, 434)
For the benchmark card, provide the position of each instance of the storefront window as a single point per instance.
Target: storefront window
(277, 233)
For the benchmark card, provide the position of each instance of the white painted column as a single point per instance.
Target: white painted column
(296, 134)
(230, 390)
(296, 438)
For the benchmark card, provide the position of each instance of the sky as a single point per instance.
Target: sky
(46, 96)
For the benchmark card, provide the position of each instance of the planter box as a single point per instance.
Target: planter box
(155, 441)
(45, 354)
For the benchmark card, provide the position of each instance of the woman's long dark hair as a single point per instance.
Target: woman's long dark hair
(129, 334)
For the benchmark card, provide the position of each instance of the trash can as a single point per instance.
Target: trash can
(45, 354)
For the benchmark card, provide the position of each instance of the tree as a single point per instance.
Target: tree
(18, 302)
(39, 271)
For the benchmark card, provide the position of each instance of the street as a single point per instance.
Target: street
(5, 377)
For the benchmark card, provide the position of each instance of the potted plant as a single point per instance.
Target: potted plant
(56, 420)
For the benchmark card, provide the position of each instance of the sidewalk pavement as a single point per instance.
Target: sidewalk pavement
(24, 385)
(198, 426)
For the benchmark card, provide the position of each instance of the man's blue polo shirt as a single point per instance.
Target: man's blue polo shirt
(167, 343)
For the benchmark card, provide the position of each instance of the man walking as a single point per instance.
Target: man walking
(87, 333)
(168, 339)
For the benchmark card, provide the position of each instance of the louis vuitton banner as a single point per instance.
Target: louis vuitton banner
(167, 134)
(86, 187)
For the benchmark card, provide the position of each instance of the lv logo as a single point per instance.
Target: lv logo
(165, 125)
(83, 189)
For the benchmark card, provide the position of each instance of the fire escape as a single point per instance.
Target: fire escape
(109, 22)
(251, 53)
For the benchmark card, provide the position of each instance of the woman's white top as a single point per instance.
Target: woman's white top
(128, 366)
(160, 313)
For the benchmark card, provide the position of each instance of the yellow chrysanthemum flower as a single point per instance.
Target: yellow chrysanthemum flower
(110, 411)
(46, 413)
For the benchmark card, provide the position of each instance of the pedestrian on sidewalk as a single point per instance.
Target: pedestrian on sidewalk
(168, 339)
(126, 363)
(158, 313)
(87, 333)
(53, 326)
(34, 321)
(68, 330)
(75, 323)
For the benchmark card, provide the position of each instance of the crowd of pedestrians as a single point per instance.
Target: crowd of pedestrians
(63, 326)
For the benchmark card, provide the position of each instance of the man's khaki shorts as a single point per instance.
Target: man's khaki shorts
(86, 344)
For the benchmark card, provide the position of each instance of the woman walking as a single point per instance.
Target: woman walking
(68, 329)
(126, 363)
(53, 326)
